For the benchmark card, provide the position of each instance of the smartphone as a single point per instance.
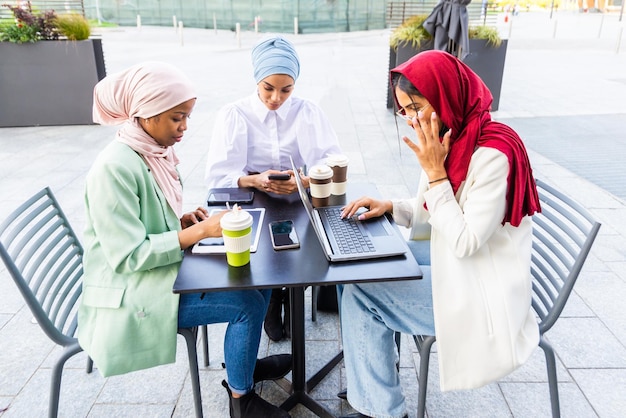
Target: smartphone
(281, 176)
(283, 235)
(221, 196)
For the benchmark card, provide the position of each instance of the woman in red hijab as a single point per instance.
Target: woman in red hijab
(475, 199)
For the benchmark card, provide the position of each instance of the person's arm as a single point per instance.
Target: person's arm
(316, 136)
(228, 152)
(466, 229)
(375, 208)
(113, 205)
(198, 225)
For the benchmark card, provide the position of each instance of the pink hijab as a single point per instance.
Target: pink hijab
(143, 91)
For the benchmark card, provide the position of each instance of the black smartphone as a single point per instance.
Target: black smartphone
(284, 235)
(281, 176)
(221, 196)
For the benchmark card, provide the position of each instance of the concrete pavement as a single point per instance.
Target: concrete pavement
(563, 90)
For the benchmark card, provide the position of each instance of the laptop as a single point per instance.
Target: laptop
(350, 239)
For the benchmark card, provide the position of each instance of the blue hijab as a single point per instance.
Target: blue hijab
(275, 55)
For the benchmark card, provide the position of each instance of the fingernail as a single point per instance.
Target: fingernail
(420, 114)
(361, 217)
(433, 115)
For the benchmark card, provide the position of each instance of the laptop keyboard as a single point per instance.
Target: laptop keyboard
(347, 234)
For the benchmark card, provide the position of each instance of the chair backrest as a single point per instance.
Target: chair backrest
(562, 237)
(44, 257)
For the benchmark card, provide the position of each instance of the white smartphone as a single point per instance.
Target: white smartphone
(283, 235)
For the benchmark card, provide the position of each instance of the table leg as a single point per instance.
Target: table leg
(298, 373)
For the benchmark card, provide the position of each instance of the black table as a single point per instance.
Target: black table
(294, 269)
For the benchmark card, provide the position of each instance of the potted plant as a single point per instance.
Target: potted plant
(45, 55)
(405, 41)
(487, 52)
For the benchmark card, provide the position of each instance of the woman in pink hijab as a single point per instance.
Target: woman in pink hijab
(134, 240)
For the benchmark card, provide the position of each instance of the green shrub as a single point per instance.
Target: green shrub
(489, 33)
(73, 26)
(411, 31)
(17, 32)
(28, 25)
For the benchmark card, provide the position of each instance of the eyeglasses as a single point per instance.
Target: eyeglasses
(407, 117)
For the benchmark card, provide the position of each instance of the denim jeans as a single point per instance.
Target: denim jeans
(244, 310)
(370, 314)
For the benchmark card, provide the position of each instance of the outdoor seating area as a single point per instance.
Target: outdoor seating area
(579, 261)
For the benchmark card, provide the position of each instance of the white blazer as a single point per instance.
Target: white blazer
(484, 323)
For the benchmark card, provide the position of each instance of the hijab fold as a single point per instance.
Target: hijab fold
(143, 91)
(275, 55)
(463, 103)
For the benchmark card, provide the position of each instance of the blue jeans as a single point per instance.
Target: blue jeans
(244, 310)
(370, 315)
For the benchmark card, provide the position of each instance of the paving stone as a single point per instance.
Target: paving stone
(573, 128)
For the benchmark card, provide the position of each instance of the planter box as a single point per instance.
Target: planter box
(49, 82)
(484, 60)
(402, 54)
(488, 63)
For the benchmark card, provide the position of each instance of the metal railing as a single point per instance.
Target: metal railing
(60, 7)
(399, 11)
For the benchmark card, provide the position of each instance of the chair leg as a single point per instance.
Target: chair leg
(314, 293)
(57, 374)
(190, 335)
(424, 349)
(205, 344)
(89, 365)
(552, 382)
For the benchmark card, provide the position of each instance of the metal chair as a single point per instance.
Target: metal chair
(563, 234)
(44, 257)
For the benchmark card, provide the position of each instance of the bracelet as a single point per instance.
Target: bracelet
(438, 180)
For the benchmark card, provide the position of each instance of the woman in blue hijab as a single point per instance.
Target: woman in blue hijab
(254, 137)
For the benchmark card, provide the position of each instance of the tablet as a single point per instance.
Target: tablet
(221, 196)
(216, 245)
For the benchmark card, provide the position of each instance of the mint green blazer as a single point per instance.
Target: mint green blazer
(127, 318)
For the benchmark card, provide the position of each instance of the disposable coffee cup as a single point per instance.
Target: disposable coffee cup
(320, 182)
(237, 231)
(339, 164)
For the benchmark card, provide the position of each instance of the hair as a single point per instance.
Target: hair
(403, 83)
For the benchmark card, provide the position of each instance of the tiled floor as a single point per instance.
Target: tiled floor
(563, 90)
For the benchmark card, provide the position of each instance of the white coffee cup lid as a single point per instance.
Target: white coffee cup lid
(337, 159)
(320, 172)
(236, 219)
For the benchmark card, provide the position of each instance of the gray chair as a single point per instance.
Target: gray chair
(44, 257)
(563, 234)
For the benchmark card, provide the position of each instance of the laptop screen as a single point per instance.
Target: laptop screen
(304, 196)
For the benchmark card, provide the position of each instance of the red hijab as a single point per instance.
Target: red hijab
(463, 102)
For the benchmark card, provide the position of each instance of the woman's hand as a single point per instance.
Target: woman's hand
(431, 153)
(375, 208)
(206, 227)
(211, 225)
(194, 217)
(277, 186)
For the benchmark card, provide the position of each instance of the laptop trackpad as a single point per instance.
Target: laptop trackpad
(376, 229)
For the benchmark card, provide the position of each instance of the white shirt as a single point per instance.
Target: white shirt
(480, 270)
(250, 138)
